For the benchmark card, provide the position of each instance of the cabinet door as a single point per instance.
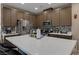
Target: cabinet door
(32, 19)
(13, 17)
(55, 17)
(40, 20)
(37, 21)
(20, 15)
(44, 16)
(65, 16)
(6, 16)
(26, 16)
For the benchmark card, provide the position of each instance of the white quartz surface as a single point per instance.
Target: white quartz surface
(9, 34)
(43, 46)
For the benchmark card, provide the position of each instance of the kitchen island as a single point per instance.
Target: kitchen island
(4, 35)
(44, 46)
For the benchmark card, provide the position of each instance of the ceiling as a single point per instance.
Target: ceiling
(31, 6)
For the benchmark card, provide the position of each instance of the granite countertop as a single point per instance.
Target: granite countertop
(68, 34)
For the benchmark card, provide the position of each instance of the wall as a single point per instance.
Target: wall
(75, 22)
(0, 23)
(0, 13)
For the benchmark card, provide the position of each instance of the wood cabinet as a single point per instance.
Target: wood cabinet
(59, 17)
(33, 20)
(13, 17)
(26, 16)
(52, 16)
(6, 16)
(20, 15)
(39, 19)
(9, 17)
(55, 17)
(65, 16)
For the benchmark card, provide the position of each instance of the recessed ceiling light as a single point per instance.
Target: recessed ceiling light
(36, 8)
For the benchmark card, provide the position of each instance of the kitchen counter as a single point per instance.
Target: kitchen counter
(68, 34)
(44, 46)
(8, 35)
(61, 35)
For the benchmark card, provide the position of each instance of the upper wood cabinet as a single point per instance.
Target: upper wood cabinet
(33, 20)
(55, 17)
(26, 16)
(9, 17)
(44, 16)
(39, 20)
(65, 16)
(20, 15)
(13, 17)
(59, 17)
(52, 16)
(6, 16)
